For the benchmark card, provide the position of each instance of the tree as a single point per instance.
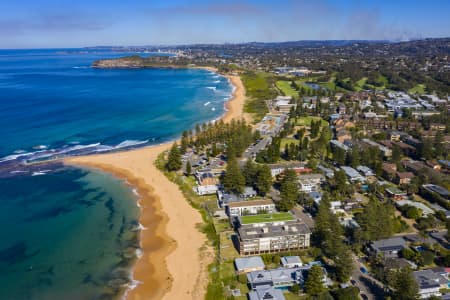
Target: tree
(314, 284)
(295, 289)
(376, 220)
(344, 265)
(405, 285)
(426, 150)
(289, 191)
(264, 180)
(174, 158)
(188, 168)
(396, 154)
(233, 180)
(328, 231)
(438, 148)
(355, 158)
(426, 258)
(349, 293)
(412, 212)
(249, 171)
(184, 141)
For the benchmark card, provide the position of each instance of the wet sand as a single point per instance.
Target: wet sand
(175, 253)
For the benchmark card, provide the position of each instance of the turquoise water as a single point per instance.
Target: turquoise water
(68, 233)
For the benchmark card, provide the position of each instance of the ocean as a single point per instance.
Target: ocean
(68, 233)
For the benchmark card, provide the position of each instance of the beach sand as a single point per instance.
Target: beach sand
(175, 253)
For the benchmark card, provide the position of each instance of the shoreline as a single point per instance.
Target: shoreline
(174, 236)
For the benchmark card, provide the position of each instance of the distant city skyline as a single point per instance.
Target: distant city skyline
(63, 23)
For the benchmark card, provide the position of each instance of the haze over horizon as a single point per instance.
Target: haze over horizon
(52, 23)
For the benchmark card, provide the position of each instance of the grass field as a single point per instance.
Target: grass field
(286, 88)
(288, 141)
(259, 87)
(306, 121)
(264, 218)
(360, 84)
(418, 89)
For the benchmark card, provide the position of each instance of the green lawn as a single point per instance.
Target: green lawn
(306, 121)
(286, 88)
(290, 296)
(265, 218)
(360, 83)
(259, 86)
(418, 89)
(288, 141)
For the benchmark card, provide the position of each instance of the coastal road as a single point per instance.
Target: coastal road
(368, 286)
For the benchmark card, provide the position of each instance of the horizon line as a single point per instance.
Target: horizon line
(231, 43)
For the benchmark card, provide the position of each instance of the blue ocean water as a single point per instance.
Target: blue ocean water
(53, 99)
(70, 233)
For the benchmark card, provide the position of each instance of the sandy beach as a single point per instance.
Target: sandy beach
(175, 253)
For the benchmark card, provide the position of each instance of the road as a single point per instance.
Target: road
(252, 151)
(369, 286)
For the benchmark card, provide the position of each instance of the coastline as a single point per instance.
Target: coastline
(172, 233)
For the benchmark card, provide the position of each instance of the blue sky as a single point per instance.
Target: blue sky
(69, 23)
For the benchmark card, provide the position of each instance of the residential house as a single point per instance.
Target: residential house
(266, 293)
(277, 169)
(389, 170)
(433, 164)
(386, 151)
(291, 261)
(388, 247)
(395, 136)
(343, 135)
(434, 188)
(310, 182)
(207, 182)
(430, 282)
(276, 278)
(249, 264)
(352, 174)
(283, 278)
(316, 197)
(412, 141)
(329, 173)
(404, 177)
(336, 143)
(413, 165)
(406, 148)
(425, 209)
(224, 198)
(251, 207)
(367, 172)
(395, 193)
(206, 189)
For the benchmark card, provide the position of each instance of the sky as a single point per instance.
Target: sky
(80, 23)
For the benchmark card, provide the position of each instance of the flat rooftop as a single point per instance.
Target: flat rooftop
(251, 203)
(267, 218)
(273, 230)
